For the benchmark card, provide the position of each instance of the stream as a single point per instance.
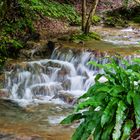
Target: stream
(40, 93)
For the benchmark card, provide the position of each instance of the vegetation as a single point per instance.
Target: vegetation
(96, 19)
(116, 21)
(17, 22)
(109, 110)
(62, 11)
(83, 37)
(122, 16)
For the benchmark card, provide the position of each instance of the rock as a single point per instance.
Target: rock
(4, 93)
(48, 90)
(6, 136)
(66, 84)
(64, 38)
(2, 77)
(51, 46)
(66, 97)
(19, 137)
(35, 50)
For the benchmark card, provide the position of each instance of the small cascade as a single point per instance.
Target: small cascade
(128, 36)
(61, 79)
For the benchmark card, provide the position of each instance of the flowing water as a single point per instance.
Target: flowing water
(41, 93)
(59, 80)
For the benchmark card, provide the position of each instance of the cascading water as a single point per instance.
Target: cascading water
(60, 79)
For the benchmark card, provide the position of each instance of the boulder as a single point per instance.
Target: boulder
(4, 93)
(66, 97)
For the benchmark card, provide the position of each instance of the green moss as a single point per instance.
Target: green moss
(84, 37)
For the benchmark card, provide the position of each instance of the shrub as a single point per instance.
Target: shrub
(96, 19)
(109, 110)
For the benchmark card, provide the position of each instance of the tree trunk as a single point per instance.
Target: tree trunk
(83, 15)
(89, 20)
(137, 1)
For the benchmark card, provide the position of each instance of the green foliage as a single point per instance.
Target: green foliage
(96, 19)
(2, 60)
(62, 11)
(7, 45)
(110, 110)
(115, 21)
(136, 19)
(84, 37)
(54, 10)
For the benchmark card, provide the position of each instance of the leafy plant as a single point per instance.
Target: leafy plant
(109, 110)
(61, 11)
(96, 19)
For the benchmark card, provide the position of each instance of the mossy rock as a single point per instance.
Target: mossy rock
(85, 37)
(64, 38)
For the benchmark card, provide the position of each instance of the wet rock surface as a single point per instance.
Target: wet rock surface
(4, 93)
(66, 97)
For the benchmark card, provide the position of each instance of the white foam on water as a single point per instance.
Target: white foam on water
(127, 30)
(55, 119)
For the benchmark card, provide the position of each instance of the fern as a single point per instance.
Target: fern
(117, 100)
(120, 117)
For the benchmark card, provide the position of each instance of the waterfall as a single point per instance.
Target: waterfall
(61, 79)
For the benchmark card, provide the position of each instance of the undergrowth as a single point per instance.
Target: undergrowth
(18, 16)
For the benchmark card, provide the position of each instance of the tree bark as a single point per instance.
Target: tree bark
(91, 13)
(137, 1)
(83, 15)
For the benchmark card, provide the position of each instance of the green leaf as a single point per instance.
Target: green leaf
(97, 132)
(116, 90)
(71, 118)
(89, 102)
(127, 129)
(95, 64)
(89, 128)
(79, 131)
(98, 87)
(137, 60)
(92, 122)
(129, 96)
(136, 102)
(93, 101)
(109, 111)
(106, 135)
(98, 76)
(120, 117)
